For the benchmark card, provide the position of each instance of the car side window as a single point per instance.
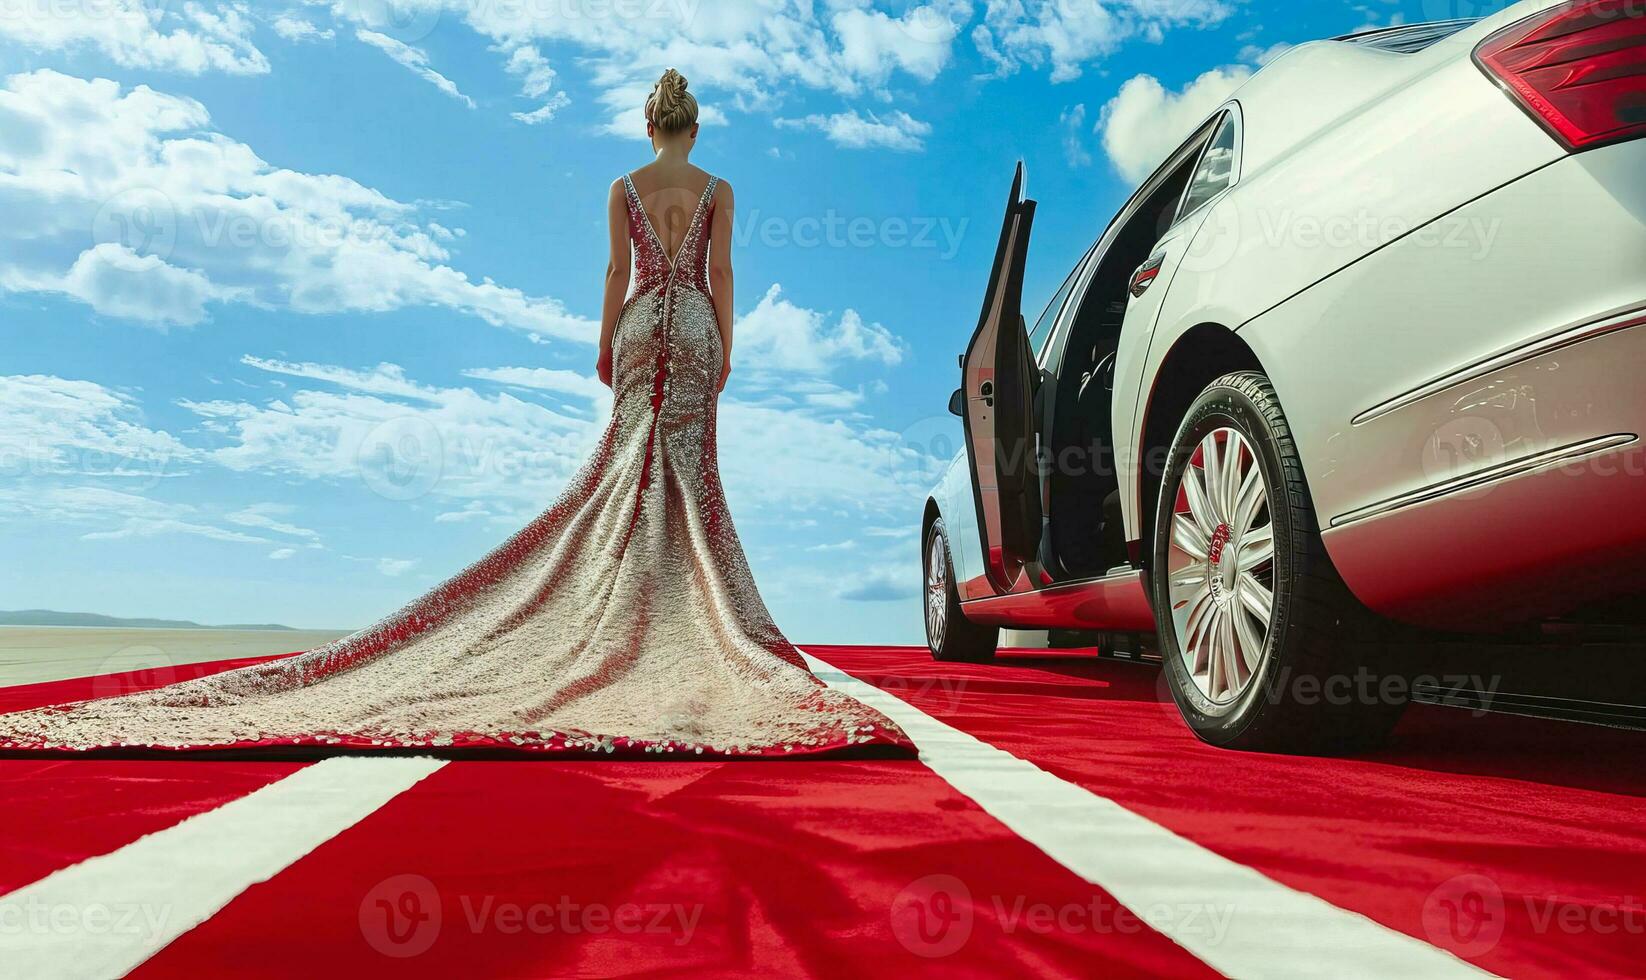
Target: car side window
(1048, 319)
(1214, 172)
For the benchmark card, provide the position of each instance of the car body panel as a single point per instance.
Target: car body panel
(1314, 198)
(1452, 310)
(1117, 602)
(1535, 348)
(953, 497)
(1143, 343)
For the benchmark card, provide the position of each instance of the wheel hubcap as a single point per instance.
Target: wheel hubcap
(937, 591)
(1221, 566)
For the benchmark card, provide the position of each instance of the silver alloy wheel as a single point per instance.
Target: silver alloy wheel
(1221, 566)
(937, 592)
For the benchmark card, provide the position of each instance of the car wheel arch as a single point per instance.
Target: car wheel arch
(1199, 356)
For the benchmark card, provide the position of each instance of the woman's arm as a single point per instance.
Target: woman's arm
(720, 273)
(617, 277)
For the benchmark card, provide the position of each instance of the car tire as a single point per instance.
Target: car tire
(950, 636)
(1313, 675)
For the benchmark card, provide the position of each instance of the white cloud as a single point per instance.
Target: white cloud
(847, 545)
(392, 436)
(747, 56)
(881, 585)
(57, 426)
(1145, 121)
(281, 554)
(496, 456)
(536, 82)
(118, 515)
(294, 28)
(778, 335)
(394, 567)
(1378, 18)
(792, 461)
(474, 510)
(1072, 122)
(1252, 54)
(544, 112)
(829, 396)
(267, 517)
(895, 130)
(384, 379)
(79, 504)
(140, 34)
(545, 379)
(414, 60)
(116, 281)
(180, 218)
(873, 43)
(1070, 34)
(144, 527)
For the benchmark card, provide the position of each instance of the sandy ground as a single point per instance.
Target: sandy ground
(30, 654)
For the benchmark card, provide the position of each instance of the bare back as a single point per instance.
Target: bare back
(670, 191)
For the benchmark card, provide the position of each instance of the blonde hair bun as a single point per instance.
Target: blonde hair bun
(670, 107)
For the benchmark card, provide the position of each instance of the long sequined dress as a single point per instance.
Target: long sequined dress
(621, 620)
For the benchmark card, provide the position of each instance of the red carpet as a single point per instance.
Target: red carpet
(789, 869)
(1482, 835)
(1520, 845)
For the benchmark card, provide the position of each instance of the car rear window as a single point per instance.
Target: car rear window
(1410, 38)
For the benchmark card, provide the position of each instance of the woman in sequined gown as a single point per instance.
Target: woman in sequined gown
(623, 619)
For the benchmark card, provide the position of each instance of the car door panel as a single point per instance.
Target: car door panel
(1137, 341)
(998, 380)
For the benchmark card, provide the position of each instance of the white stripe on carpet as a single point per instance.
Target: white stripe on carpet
(106, 915)
(1237, 920)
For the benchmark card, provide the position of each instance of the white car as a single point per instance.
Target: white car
(1368, 349)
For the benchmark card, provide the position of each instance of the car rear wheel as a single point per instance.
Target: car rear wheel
(949, 634)
(1264, 646)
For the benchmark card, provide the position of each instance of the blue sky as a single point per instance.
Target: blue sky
(297, 300)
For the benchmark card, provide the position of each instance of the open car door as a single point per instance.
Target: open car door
(996, 403)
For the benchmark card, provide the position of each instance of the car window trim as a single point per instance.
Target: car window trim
(1193, 147)
(1230, 112)
(1072, 280)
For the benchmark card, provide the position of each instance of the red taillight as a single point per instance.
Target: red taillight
(1579, 68)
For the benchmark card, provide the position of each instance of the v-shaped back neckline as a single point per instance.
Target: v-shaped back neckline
(691, 225)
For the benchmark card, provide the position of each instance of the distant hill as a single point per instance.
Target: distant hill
(48, 617)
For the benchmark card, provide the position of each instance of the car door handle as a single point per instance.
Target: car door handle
(1147, 273)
